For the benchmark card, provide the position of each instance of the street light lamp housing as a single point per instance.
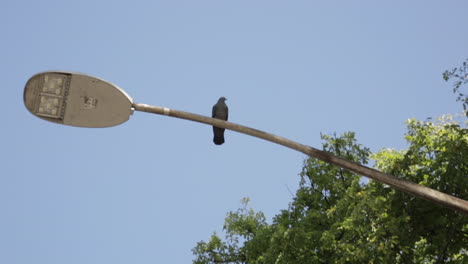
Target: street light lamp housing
(76, 99)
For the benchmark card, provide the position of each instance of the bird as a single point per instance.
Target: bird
(220, 111)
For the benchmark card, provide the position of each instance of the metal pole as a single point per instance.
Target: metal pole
(397, 183)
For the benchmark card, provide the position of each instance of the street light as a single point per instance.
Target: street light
(81, 100)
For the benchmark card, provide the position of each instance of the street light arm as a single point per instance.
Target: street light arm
(400, 184)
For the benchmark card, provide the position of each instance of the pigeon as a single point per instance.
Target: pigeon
(220, 111)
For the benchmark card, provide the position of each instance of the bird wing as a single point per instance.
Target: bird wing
(213, 112)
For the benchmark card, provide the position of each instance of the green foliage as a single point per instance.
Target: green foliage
(336, 217)
(244, 225)
(436, 158)
(461, 77)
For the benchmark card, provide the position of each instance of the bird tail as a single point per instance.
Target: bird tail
(218, 140)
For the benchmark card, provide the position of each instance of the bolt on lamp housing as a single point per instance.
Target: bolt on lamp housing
(76, 99)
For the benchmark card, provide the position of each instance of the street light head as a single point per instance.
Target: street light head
(76, 99)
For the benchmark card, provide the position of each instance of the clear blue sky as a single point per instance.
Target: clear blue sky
(146, 191)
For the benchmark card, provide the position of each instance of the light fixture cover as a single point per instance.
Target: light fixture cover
(76, 99)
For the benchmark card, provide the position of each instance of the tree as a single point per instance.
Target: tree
(336, 217)
(461, 77)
